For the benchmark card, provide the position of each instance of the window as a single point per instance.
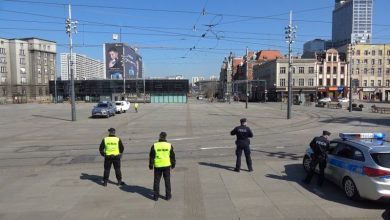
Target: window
(387, 83)
(310, 82)
(379, 71)
(365, 71)
(358, 52)
(342, 70)
(3, 60)
(372, 71)
(365, 83)
(282, 70)
(282, 82)
(334, 70)
(357, 61)
(335, 82)
(3, 69)
(365, 61)
(320, 82)
(365, 52)
(328, 82)
(21, 52)
(3, 79)
(387, 71)
(380, 62)
(382, 159)
(301, 69)
(321, 70)
(2, 50)
(301, 82)
(357, 71)
(293, 69)
(388, 52)
(329, 58)
(40, 92)
(311, 69)
(293, 82)
(334, 58)
(24, 80)
(349, 152)
(342, 82)
(372, 83)
(39, 80)
(380, 52)
(328, 70)
(22, 61)
(373, 52)
(4, 91)
(372, 62)
(379, 82)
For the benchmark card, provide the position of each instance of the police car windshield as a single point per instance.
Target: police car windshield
(102, 105)
(382, 159)
(118, 103)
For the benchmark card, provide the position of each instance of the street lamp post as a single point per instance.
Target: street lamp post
(246, 73)
(70, 29)
(290, 35)
(350, 77)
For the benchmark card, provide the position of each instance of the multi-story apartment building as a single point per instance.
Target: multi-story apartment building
(30, 64)
(331, 68)
(370, 70)
(352, 22)
(85, 68)
(275, 73)
(5, 71)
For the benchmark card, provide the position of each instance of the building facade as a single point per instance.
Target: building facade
(29, 65)
(85, 68)
(370, 70)
(352, 22)
(331, 68)
(275, 73)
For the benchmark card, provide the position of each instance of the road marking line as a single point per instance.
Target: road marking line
(210, 148)
(279, 147)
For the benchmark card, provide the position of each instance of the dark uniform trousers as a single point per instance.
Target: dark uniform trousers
(317, 160)
(116, 160)
(166, 173)
(247, 153)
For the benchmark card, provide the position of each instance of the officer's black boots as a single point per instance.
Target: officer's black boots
(105, 183)
(236, 170)
(168, 197)
(120, 183)
(155, 197)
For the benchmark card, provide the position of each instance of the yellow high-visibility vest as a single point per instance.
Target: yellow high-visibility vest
(162, 154)
(111, 146)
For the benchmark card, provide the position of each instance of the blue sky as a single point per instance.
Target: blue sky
(165, 31)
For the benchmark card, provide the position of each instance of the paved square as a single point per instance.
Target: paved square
(51, 169)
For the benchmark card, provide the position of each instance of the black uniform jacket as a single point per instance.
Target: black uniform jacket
(243, 134)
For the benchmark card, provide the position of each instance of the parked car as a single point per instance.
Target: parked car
(359, 163)
(122, 106)
(104, 109)
(326, 99)
(344, 99)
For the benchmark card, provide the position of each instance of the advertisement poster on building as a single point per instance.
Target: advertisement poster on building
(113, 59)
(133, 64)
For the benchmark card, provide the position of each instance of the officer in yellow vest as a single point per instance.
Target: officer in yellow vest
(136, 105)
(162, 158)
(111, 148)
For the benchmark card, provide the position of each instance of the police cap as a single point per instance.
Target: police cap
(111, 130)
(326, 133)
(242, 120)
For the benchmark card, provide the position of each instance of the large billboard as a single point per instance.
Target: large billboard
(120, 60)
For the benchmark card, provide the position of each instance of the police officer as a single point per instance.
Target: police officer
(162, 158)
(111, 148)
(319, 145)
(136, 105)
(243, 133)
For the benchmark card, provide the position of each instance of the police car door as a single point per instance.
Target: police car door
(331, 169)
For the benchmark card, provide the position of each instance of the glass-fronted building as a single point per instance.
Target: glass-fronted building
(352, 22)
(150, 90)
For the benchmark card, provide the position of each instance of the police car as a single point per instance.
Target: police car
(359, 163)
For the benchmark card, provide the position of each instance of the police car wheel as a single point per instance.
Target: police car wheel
(350, 189)
(306, 163)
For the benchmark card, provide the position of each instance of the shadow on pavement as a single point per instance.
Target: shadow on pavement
(217, 166)
(51, 117)
(143, 191)
(280, 154)
(329, 191)
(94, 178)
(386, 214)
(347, 120)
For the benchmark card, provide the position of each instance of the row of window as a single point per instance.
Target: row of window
(372, 71)
(301, 82)
(372, 52)
(301, 70)
(321, 70)
(373, 61)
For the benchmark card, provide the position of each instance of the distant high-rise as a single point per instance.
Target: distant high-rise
(352, 22)
(85, 68)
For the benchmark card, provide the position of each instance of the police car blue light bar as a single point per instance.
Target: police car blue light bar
(378, 136)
